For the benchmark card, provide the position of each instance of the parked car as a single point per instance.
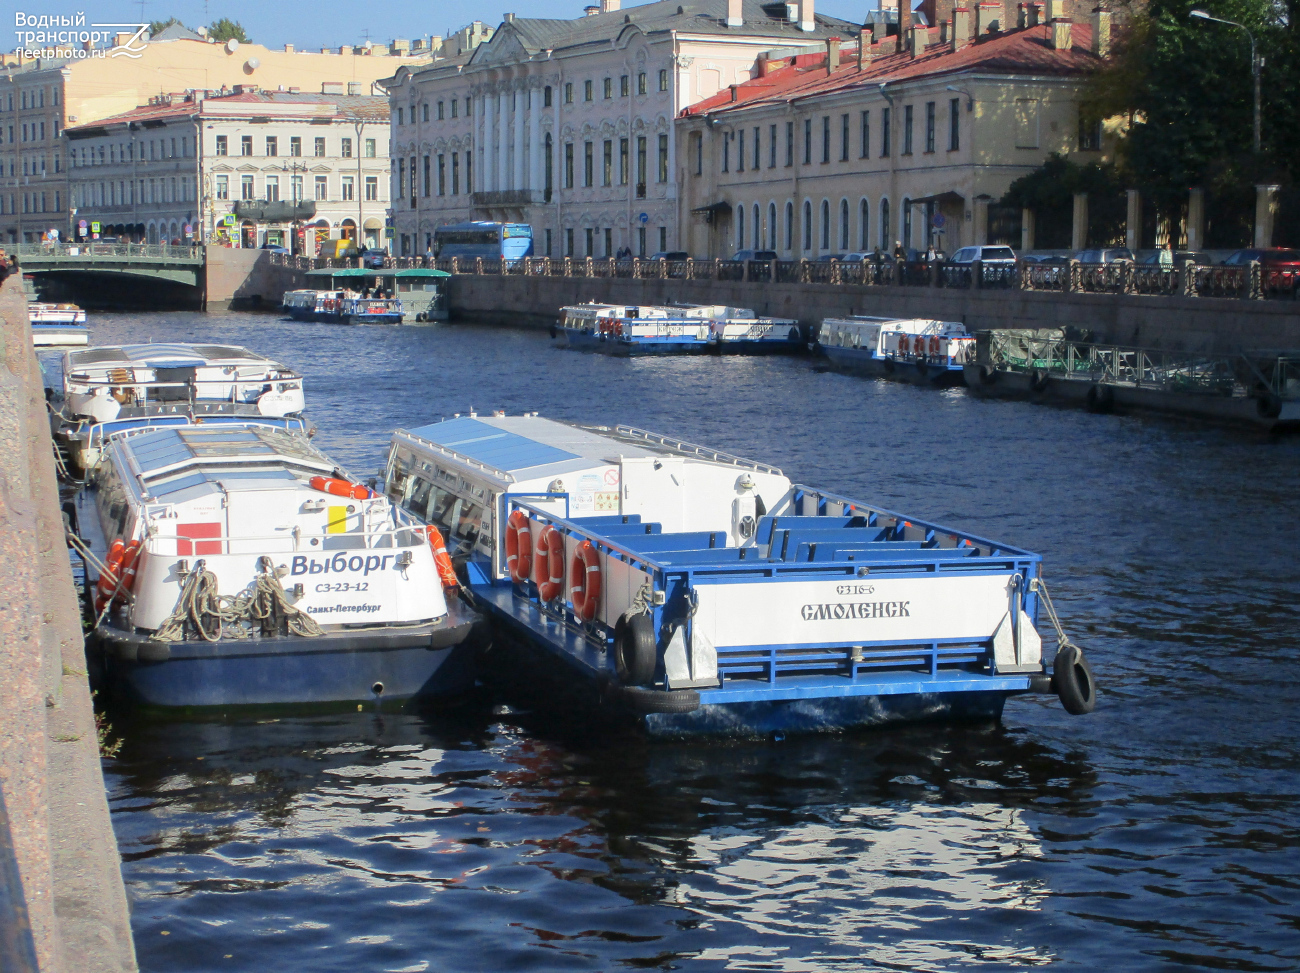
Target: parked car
(272, 248)
(670, 255)
(1280, 267)
(826, 258)
(995, 255)
(1108, 255)
(858, 256)
(763, 255)
(373, 258)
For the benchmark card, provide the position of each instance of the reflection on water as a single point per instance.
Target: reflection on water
(1158, 834)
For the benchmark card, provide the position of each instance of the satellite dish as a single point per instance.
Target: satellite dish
(232, 46)
(252, 64)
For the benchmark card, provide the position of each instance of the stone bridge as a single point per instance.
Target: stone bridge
(146, 261)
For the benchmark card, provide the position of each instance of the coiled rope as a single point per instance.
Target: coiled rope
(215, 616)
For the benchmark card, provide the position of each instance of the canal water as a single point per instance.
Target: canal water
(1159, 833)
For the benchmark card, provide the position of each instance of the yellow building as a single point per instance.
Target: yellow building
(40, 98)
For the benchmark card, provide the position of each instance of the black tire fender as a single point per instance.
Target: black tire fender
(644, 700)
(635, 652)
(1072, 677)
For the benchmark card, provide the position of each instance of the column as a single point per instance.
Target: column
(980, 217)
(503, 140)
(1265, 212)
(521, 106)
(1133, 223)
(1026, 229)
(1195, 219)
(487, 152)
(535, 161)
(1079, 224)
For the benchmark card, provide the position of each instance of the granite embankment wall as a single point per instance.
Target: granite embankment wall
(1176, 323)
(50, 777)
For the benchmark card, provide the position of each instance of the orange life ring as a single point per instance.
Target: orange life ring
(584, 581)
(934, 344)
(441, 558)
(519, 547)
(905, 345)
(339, 488)
(550, 552)
(120, 565)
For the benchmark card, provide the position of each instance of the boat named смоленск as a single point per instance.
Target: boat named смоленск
(111, 388)
(701, 593)
(907, 349)
(239, 565)
(675, 329)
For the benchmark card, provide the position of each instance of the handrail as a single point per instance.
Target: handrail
(691, 449)
(459, 457)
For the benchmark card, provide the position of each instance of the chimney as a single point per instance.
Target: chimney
(1062, 38)
(508, 18)
(960, 27)
(832, 55)
(345, 49)
(904, 24)
(1033, 15)
(879, 31)
(734, 95)
(288, 48)
(762, 64)
(590, 11)
(735, 13)
(807, 19)
(1101, 32)
(609, 6)
(919, 39)
(987, 16)
(864, 48)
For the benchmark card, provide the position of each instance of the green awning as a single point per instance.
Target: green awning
(417, 272)
(344, 272)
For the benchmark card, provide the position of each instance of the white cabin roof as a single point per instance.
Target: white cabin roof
(164, 354)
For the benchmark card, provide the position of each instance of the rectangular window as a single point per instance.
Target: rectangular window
(591, 242)
(568, 242)
(758, 155)
(442, 174)
(1089, 135)
(588, 167)
(469, 110)
(864, 150)
(318, 148)
(607, 88)
(347, 189)
(568, 92)
(807, 141)
(624, 87)
(663, 79)
(568, 165)
(640, 166)
(455, 107)
(929, 126)
(885, 145)
(740, 152)
(640, 83)
(372, 187)
(345, 149)
(401, 116)
(622, 161)
(907, 130)
(245, 187)
(771, 147)
(370, 148)
(272, 188)
(663, 158)
(726, 151)
(469, 172)
(295, 185)
(295, 145)
(548, 241)
(607, 164)
(789, 143)
(442, 111)
(954, 124)
(826, 138)
(455, 173)
(272, 145)
(588, 90)
(427, 180)
(844, 138)
(222, 146)
(245, 146)
(223, 186)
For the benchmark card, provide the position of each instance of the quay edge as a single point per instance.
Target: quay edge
(50, 774)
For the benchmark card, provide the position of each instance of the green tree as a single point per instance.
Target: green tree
(226, 29)
(158, 26)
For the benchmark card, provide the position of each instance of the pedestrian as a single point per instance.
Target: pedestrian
(1166, 255)
(899, 253)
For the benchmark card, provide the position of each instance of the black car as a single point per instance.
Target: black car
(670, 255)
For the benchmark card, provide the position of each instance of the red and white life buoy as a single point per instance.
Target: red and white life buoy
(120, 565)
(584, 581)
(550, 556)
(934, 344)
(339, 488)
(519, 547)
(441, 558)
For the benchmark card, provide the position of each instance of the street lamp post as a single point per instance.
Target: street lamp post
(1256, 62)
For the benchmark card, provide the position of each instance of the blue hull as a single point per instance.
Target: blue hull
(587, 341)
(860, 361)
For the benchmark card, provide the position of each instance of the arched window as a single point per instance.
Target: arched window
(789, 225)
(826, 225)
(771, 226)
(758, 230)
(807, 225)
(884, 224)
(906, 216)
(740, 227)
(844, 224)
(864, 226)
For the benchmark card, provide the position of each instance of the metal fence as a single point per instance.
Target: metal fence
(1250, 282)
(130, 251)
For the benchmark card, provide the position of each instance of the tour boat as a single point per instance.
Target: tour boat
(239, 565)
(363, 310)
(57, 324)
(307, 305)
(695, 592)
(908, 349)
(648, 329)
(111, 388)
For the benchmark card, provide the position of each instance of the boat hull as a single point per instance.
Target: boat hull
(858, 361)
(51, 335)
(339, 667)
(582, 340)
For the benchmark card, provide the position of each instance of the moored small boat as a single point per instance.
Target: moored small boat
(112, 388)
(695, 592)
(238, 565)
(915, 350)
(57, 324)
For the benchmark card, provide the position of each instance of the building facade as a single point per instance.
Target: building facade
(568, 125)
(40, 98)
(204, 168)
(904, 141)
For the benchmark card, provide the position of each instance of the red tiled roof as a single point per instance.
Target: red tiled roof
(1024, 51)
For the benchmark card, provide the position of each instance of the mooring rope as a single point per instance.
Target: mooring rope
(1062, 640)
(200, 604)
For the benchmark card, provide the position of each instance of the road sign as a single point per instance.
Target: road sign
(644, 217)
(938, 221)
(94, 227)
(82, 224)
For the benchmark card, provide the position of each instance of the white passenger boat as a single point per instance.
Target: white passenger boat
(57, 324)
(916, 350)
(238, 565)
(654, 329)
(112, 388)
(701, 593)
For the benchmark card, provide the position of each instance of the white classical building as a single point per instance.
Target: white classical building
(568, 124)
(192, 167)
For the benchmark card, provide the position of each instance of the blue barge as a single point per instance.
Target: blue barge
(699, 593)
(915, 350)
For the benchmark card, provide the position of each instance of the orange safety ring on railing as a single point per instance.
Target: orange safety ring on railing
(550, 554)
(934, 344)
(519, 547)
(120, 565)
(339, 488)
(584, 581)
(441, 558)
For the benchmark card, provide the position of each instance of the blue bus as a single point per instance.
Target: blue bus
(481, 239)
